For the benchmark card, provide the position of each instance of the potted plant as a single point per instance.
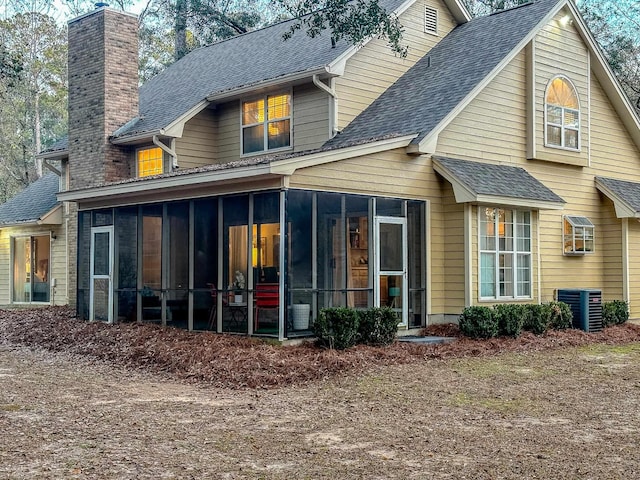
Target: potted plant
(238, 286)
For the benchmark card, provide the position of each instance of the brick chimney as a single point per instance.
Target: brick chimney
(103, 93)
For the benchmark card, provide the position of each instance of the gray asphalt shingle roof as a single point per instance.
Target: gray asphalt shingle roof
(436, 84)
(629, 192)
(31, 203)
(498, 180)
(238, 62)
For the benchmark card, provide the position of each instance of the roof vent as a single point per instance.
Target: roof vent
(430, 20)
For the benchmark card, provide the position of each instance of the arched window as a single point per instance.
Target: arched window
(562, 120)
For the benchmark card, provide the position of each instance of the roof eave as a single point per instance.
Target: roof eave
(623, 208)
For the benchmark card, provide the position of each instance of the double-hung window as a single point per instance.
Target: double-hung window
(562, 115)
(505, 253)
(266, 123)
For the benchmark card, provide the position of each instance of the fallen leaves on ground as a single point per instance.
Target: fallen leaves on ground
(231, 361)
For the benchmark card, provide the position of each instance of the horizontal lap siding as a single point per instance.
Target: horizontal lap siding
(561, 51)
(228, 143)
(634, 268)
(310, 117)
(375, 67)
(198, 143)
(453, 251)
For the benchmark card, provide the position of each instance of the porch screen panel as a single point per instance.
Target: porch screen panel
(177, 275)
(331, 232)
(359, 293)
(84, 258)
(152, 263)
(416, 233)
(236, 263)
(126, 248)
(205, 268)
(22, 269)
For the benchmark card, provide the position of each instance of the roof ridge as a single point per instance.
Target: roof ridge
(524, 4)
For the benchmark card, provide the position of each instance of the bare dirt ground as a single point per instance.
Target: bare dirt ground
(559, 412)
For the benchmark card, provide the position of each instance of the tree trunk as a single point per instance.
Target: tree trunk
(180, 29)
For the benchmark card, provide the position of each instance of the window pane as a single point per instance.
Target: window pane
(253, 139)
(279, 133)
(150, 162)
(524, 275)
(278, 106)
(390, 247)
(253, 112)
(554, 135)
(571, 138)
(506, 275)
(487, 275)
(554, 114)
(571, 118)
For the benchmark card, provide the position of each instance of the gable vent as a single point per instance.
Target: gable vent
(430, 20)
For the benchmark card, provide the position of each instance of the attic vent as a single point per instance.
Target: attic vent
(430, 20)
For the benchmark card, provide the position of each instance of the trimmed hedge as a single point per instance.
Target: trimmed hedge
(510, 318)
(342, 327)
(615, 312)
(537, 318)
(478, 322)
(561, 316)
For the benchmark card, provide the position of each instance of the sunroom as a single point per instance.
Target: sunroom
(262, 263)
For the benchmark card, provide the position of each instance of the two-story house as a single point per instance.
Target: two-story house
(256, 181)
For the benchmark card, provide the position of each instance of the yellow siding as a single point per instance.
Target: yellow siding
(198, 143)
(561, 51)
(310, 117)
(375, 67)
(57, 262)
(453, 281)
(228, 132)
(634, 269)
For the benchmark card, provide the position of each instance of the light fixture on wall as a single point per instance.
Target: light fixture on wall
(53, 235)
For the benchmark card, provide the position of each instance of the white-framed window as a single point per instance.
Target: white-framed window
(562, 114)
(149, 161)
(578, 235)
(430, 20)
(505, 269)
(266, 123)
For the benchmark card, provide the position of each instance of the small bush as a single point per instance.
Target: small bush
(510, 318)
(378, 326)
(560, 315)
(337, 328)
(615, 312)
(536, 318)
(478, 322)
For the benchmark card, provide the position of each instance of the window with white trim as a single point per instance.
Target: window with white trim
(562, 114)
(578, 235)
(266, 123)
(505, 269)
(430, 20)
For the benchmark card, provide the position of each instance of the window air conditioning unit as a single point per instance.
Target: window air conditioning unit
(586, 306)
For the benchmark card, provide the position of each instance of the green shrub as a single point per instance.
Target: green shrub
(615, 312)
(510, 318)
(337, 328)
(560, 315)
(478, 322)
(378, 326)
(536, 318)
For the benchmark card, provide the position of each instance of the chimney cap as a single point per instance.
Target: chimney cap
(101, 5)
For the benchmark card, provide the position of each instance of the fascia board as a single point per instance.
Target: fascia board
(175, 128)
(462, 193)
(290, 165)
(519, 202)
(623, 208)
(427, 140)
(458, 10)
(607, 78)
(160, 184)
(57, 155)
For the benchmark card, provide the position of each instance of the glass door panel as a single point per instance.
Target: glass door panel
(391, 265)
(101, 295)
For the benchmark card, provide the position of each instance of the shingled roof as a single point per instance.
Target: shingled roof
(624, 194)
(32, 203)
(239, 62)
(480, 181)
(418, 101)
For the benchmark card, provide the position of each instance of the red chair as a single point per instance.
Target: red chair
(267, 296)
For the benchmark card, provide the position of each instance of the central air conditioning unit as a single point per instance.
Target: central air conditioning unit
(586, 306)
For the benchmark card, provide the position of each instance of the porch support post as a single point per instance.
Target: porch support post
(468, 245)
(284, 238)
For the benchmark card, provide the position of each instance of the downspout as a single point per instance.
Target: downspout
(333, 106)
(170, 150)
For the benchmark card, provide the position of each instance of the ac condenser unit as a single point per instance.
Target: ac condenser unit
(586, 306)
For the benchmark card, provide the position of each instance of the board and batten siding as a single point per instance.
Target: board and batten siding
(57, 263)
(371, 70)
(559, 50)
(197, 146)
